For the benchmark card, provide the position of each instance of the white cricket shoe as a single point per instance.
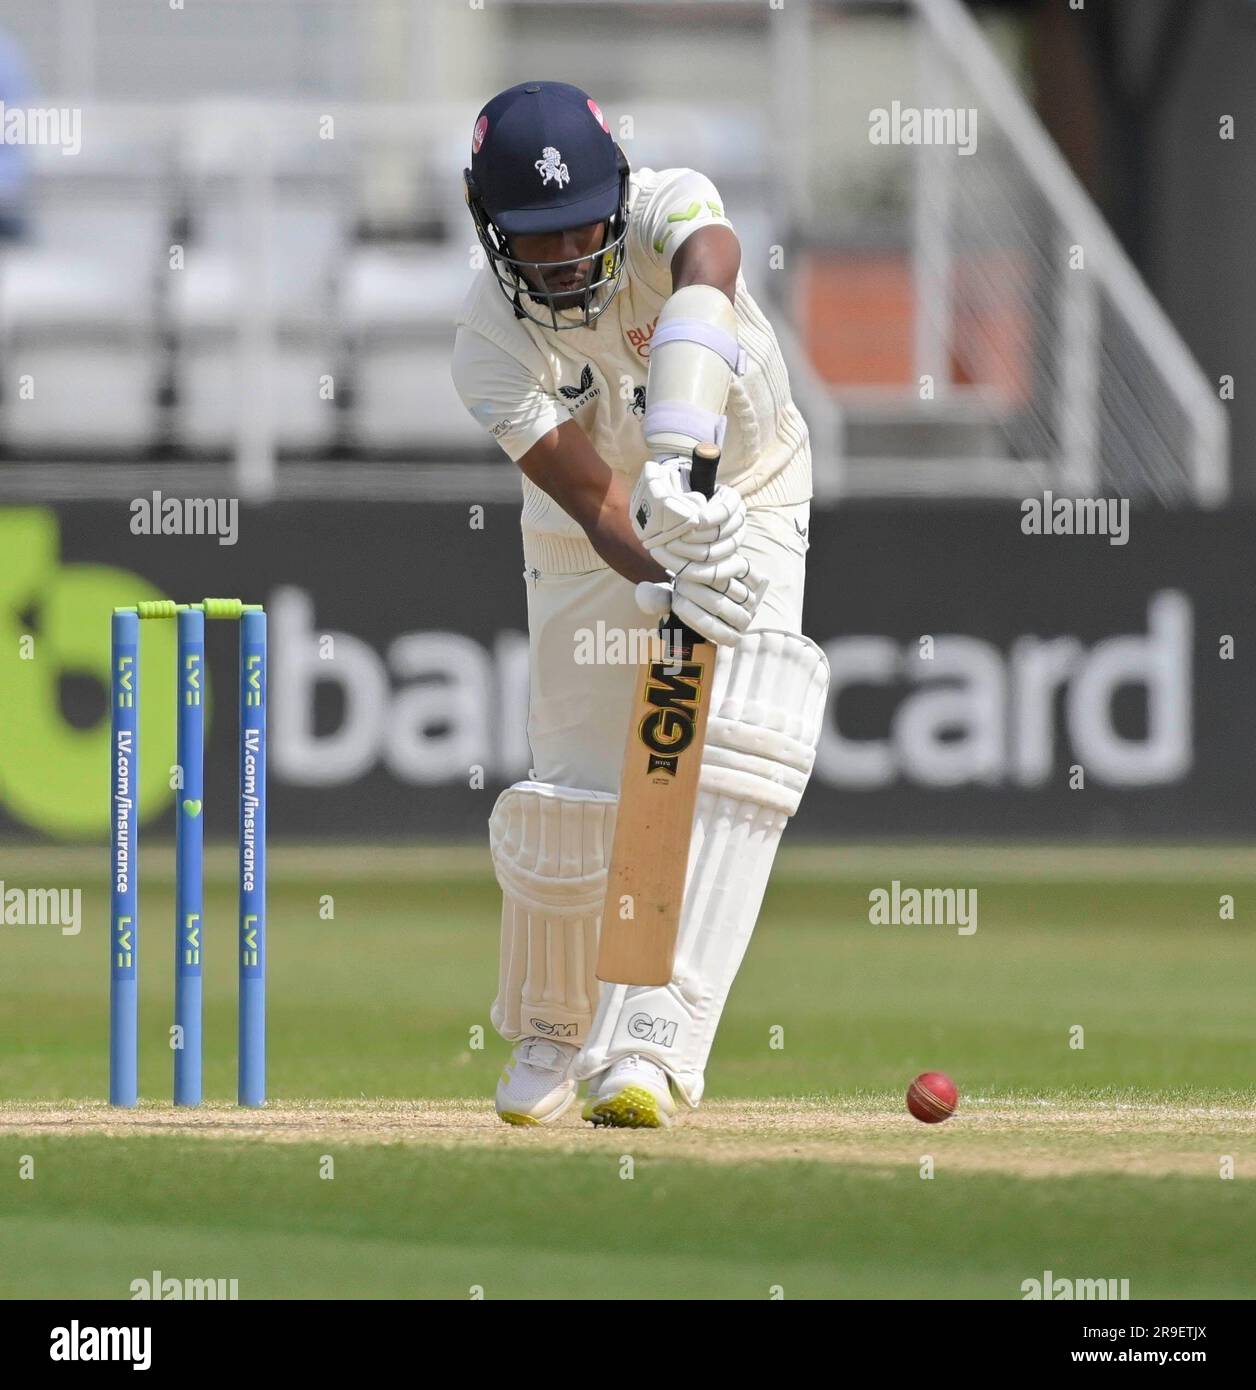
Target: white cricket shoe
(634, 1093)
(534, 1088)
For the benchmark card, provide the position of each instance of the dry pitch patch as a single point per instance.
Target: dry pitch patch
(1020, 1138)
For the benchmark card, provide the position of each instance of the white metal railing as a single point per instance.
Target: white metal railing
(1117, 400)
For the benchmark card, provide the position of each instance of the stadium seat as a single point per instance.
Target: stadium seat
(398, 308)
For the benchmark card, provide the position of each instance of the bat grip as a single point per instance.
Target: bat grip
(702, 471)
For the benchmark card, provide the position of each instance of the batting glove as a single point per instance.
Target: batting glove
(716, 601)
(677, 525)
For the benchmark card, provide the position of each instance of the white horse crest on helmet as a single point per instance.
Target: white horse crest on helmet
(551, 166)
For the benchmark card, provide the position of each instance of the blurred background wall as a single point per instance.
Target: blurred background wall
(232, 245)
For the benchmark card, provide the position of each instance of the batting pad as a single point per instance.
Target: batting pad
(551, 849)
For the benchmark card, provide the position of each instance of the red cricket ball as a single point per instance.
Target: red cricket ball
(932, 1097)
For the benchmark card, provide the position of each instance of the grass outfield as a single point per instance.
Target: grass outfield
(802, 1172)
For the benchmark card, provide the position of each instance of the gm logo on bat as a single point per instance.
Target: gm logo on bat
(669, 727)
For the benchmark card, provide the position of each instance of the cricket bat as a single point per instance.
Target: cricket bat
(658, 791)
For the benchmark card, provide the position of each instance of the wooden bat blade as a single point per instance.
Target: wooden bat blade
(658, 791)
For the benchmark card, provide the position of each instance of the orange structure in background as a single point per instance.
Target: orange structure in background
(857, 314)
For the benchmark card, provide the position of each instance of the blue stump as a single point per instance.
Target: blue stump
(253, 677)
(189, 891)
(124, 918)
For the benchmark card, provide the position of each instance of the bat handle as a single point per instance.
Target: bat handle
(706, 461)
(702, 471)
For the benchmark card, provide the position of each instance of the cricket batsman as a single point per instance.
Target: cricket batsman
(608, 334)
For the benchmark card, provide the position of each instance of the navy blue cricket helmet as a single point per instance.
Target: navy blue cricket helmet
(543, 160)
